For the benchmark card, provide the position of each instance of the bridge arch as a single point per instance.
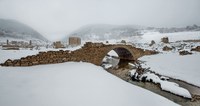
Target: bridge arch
(124, 53)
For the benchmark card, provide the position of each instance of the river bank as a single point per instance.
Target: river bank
(195, 91)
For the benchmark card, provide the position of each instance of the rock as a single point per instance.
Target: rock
(144, 79)
(195, 98)
(150, 52)
(196, 49)
(184, 53)
(152, 43)
(164, 78)
(165, 40)
(166, 48)
(123, 41)
(133, 78)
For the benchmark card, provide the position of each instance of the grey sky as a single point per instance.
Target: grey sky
(56, 18)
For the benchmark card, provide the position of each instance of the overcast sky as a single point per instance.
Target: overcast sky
(56, 18)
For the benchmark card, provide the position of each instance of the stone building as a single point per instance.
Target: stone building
(165, 40)
(16, 45)
(58, 44)
(74, 41)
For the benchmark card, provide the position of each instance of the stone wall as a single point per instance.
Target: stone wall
(41, 58)
(90, 52)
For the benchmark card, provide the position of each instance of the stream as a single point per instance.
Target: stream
(122, 73)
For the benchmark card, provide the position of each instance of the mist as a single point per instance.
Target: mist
(55, 19)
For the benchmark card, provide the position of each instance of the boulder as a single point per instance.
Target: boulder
(184, 53)
(123, 41)
(150, 52)
(197, 49)
(152, 43)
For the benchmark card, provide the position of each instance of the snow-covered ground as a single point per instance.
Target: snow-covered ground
(170, 63)
(156, 36)
(87, 85)
(66, 84)
(176, 66)
(147, 37)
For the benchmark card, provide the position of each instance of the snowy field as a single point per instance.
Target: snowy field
(66, 84)
(147, 37)
(170, 63)
(156, 36)
(185, 68)
(84, 84)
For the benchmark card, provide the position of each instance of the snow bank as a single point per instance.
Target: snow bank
(175, 88)
(168, 86)
(185, 68)
(70, 84)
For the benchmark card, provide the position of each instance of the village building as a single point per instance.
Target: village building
(165, 40)
(16, 45)
(74, 41)
(58, 44)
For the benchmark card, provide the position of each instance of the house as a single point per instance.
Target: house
(74, 41)
(58, 44)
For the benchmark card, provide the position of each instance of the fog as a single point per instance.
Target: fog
(56, 18)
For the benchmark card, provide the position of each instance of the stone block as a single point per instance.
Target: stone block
(184, 53)
(166, 48)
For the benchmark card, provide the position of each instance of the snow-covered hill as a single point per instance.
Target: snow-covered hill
(106, 31)
(14, 30)
(102, 32)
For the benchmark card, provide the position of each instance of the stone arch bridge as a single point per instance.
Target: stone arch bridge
(90, 52)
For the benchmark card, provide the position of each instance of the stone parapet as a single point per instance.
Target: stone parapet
(90, 52)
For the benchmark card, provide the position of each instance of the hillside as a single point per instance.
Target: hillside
(106, 31)
(14, 30)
